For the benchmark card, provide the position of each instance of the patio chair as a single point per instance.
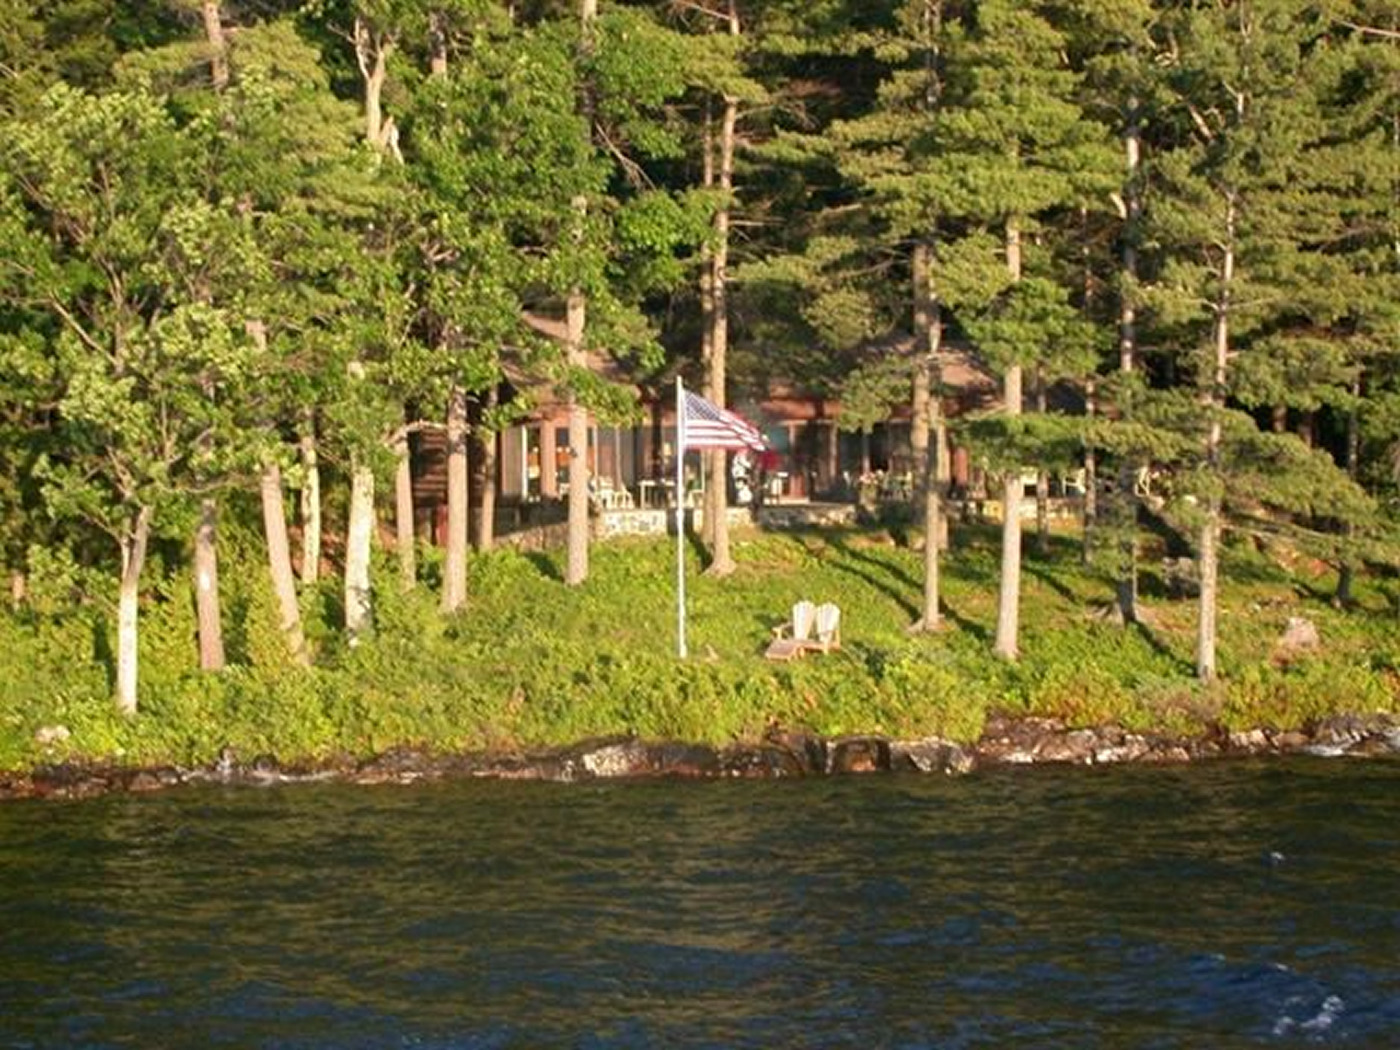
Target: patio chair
(827, 635)
(790, 640)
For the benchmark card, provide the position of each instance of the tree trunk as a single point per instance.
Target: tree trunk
(206, 558)
(404, 538)
(19, 588)
(1126, 496)
(206, 588)
(279, 562)
(1009, 598)
(707, 319)
(1042, 477)
(576, 567)
(549, 460)
(576, 554)
(1346, 575)
(1215, 400)
(454, 572)
(218, 49)
(437, 44)
(310, 504)
(133, 555)
(486, 442)
(359, 538)
(372, 51)
(1307, 428)
(1091, 474)
(721, 562)
(924, 424)
(1090, 509)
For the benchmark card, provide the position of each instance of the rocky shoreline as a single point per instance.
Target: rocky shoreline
(782, 753)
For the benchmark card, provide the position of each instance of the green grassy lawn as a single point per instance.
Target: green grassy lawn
(531, 662)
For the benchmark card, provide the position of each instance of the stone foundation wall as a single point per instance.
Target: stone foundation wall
(806, 515)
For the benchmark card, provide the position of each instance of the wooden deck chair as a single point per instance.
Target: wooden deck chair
(790, 640)
(828, 629)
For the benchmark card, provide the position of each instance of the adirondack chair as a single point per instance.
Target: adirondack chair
(790, 639)
(827, 635)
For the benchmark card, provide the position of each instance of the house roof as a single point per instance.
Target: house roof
(966, 380)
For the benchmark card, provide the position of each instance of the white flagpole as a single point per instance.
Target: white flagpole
(680, 519)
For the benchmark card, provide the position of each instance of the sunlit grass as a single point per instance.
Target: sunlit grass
(532, 662)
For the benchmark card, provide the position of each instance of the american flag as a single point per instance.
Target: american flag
(709, 426)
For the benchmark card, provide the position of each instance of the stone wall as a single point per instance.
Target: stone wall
(805, 515)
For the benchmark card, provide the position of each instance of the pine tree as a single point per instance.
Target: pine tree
(1242, 202)
(1015, 146)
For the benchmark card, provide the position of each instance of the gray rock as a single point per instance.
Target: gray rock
(1127, 747)
(622, 759)
(865, 754)
(1075, 747)
(930, 755)
(809, 751)
(1252, 742)
(740, 760)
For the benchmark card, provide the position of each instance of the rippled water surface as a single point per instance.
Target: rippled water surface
(1211, 906)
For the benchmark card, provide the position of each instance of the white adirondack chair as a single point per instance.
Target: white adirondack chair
(790, 640)
(828, 629)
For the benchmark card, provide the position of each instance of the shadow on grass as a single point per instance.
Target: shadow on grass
(962, 623)
(880, 585)
(1045, 576)
(102, 651)
(545, 564)
(1161, 648)
(902, 575)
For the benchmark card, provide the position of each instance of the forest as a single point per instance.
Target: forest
(249, 249)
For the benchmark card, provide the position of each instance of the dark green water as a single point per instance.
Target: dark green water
(1214, 906)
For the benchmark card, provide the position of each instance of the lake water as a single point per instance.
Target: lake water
(1211, 906)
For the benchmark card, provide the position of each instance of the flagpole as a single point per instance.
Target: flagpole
(680, 519)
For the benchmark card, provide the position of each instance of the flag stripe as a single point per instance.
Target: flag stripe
(709, 426)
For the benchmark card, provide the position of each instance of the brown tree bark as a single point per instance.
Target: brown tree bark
(310, 503)
(576, 555)
(1346, 575)
(373, 47)
(359, 537)
(208, 617)
(487, 442)
(925, 429)
(404, 536)
(454, 573)
(279, 563)
(218, 45)
(1126, 592)
(206, 588)
(1042, 476)
(576, 560)
(133, 558)
(1214, 399)
(717, 486)
(549, 461)
(1013, 490)
(437, 44)
(707, 318)
(1091, 474)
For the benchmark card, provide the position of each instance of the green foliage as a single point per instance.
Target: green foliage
(532, 663)
(192, 278)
